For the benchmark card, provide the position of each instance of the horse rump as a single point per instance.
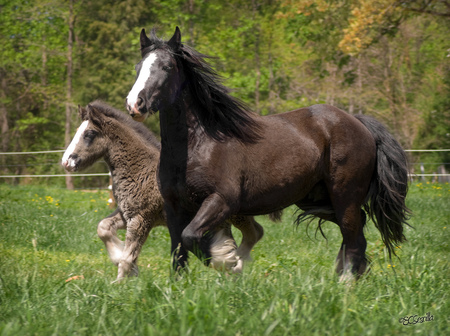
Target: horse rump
(385, 202)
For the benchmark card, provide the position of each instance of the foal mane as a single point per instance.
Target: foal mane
(220, 114)
(126, 121)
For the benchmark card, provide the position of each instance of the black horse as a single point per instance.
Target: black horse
(218, 159)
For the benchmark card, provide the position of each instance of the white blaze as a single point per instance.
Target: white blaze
(76, 139)
(140, 82)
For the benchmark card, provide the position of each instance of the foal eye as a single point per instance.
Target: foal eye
(90, 134)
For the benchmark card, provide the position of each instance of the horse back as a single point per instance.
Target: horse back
(303, 148)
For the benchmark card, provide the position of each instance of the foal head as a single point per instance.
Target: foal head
(89, 143)
(158, 78)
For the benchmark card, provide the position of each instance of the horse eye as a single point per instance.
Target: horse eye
(166, 67)
(90, 134)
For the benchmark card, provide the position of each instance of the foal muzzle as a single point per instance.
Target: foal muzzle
(72, 163)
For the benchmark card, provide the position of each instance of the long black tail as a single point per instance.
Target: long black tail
(385, 202)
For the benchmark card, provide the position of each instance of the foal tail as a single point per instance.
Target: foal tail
(385, 201)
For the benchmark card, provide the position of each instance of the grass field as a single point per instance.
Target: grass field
(48, 236)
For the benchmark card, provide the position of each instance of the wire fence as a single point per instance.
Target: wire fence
(17, 168)
(44, 167)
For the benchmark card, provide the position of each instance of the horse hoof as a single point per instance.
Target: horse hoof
(239, 267)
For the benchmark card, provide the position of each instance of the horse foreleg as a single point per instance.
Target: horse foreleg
(107, 232)
(176, 222)
(137, 233)
(252, 232)
(207, 239)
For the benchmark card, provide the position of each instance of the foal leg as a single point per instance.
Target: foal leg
(107, 232)
(252, 232)
(137, 232)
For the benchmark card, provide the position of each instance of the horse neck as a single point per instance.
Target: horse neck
(128, 152)
(179, 126)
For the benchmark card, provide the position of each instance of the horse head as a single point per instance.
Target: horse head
(158, 76)
(89, 143)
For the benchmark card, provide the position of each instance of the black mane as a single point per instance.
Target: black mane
(220, 114)
(126, 120)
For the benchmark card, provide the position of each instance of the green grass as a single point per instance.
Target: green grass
(49, 235)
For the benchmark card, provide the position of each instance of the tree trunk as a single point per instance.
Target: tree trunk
(69, 181)
(271, 78)
(191, 21)
(4, 119)
(258, 73)
(5, 125)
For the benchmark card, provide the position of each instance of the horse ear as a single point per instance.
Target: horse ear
(145, 41)
(93, 115)
(175, 41)
(82, 113)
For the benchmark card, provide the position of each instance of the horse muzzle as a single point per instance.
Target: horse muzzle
(138, 116)
(139, 112)
(71, 164)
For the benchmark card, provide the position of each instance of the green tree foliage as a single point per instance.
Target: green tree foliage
(386, 58)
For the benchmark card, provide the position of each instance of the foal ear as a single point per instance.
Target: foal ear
(95, 116)
(175, 41)
(82, 113)
(145, 41)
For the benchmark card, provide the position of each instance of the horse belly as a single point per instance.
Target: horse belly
(280, 181)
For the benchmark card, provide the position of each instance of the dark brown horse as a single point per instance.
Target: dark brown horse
(218, 159)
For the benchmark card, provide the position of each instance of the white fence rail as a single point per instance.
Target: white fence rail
(422, 174)
(106, 173)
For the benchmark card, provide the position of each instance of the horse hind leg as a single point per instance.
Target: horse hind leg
(107, 232)
(351, 260)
